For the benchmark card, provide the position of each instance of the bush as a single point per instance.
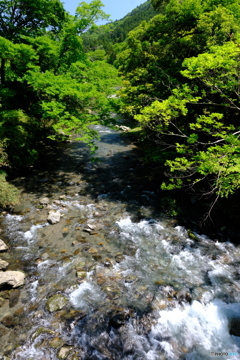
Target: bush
(9, 194)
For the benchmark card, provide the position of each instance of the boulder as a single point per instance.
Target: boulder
(56, 302)
(3, 264)
(3, 246)
(13, 278)
(44, 201)
(54, 217)
(64, 352)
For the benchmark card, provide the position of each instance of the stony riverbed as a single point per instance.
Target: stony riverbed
(113, 278)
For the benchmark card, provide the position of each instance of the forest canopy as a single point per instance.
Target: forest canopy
(179, 68)
(49, 88)
(181, 83)
(48, 84)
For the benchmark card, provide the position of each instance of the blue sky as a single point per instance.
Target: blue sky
(116, 8)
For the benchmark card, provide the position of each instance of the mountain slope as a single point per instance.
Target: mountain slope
(107, 35)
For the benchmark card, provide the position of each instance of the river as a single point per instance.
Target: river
(114, 279)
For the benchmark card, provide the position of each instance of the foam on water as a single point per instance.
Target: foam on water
(45, 265)
(139, 232)
(158, 263)
(30, 235)
(196, 328)
(76, 204)
(12, 225)
(87, 296)
(33, 291)
(155, 252)
(34, 353)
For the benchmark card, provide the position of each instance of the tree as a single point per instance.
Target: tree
(30, 17)
(200, 123)
(49, 88)
(182, 85)
(152, 60)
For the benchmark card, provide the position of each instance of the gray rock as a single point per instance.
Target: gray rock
(64, 352)
(56, 302)
(3, 264)
(44, 201)
(3, 246)
(54, 217)
(13, 278)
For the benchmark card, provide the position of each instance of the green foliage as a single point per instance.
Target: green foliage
(181, 84)
(209, 146)
(108, 37)
(48, 86)
(152, 60)
(9, 194)
(98, 54)
(30, 17)
(18, 132)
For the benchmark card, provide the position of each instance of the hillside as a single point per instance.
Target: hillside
(107, 35)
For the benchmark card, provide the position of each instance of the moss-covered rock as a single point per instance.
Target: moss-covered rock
(41, 331)
(56, 343)
(56, 302)
(9, 194)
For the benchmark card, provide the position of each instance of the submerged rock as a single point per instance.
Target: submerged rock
(10, 321)
(3, 246)
(40, 331)
(14, 297)
(56, 343)
(13, 278)
(54, 217)
(81, 274)
(2, 301)
(3, 264)
(56, 302)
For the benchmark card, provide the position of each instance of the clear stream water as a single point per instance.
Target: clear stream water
(133, 285)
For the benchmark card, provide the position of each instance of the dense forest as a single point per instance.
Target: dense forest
(177, 63)
(107, 40)
(49, 87)
(181, 84)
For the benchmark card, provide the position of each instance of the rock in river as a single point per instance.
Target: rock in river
(54, 217)
(3, 246)
(13, 278)
(64, 352)
(44, 201)
(56, 302)
(3, 264)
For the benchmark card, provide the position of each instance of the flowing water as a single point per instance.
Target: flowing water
(113, 280)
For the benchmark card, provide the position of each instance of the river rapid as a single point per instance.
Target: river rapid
(114, 279)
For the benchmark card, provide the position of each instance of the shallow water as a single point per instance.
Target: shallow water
(135, 285)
